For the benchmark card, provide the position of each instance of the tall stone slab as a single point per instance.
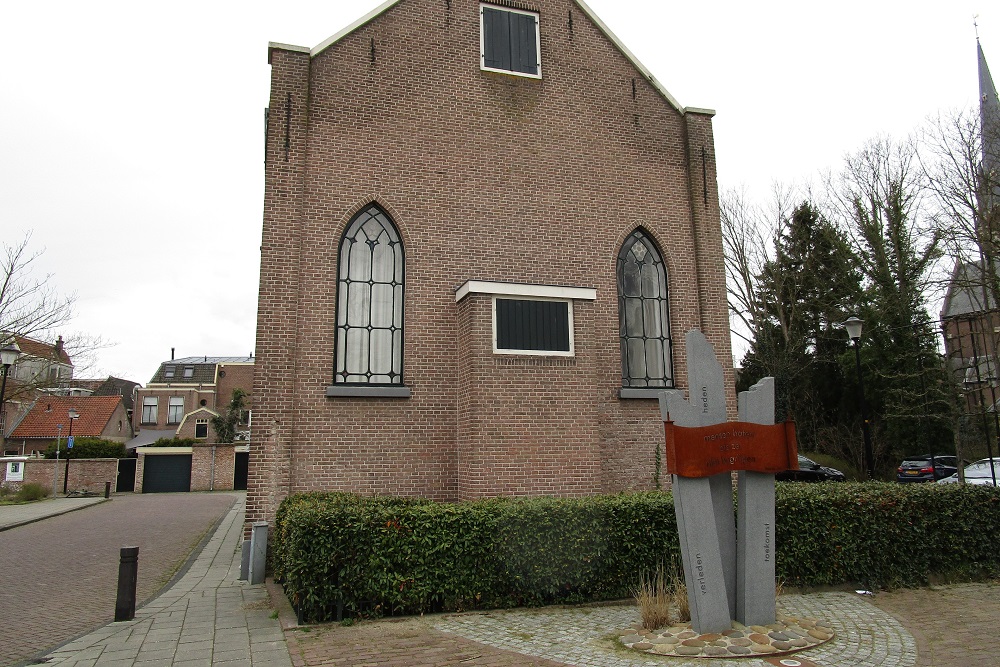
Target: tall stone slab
(704, 506)
(755, 594)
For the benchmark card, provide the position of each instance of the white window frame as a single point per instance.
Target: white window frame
(171, 405)
(155, 405)
(482, 41)
(538, 353)
(197, 423)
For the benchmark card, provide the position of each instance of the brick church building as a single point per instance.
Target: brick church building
(486, 229)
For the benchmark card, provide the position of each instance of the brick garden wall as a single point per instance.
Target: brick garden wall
(209, 476)
(84, 474)
(487, 177)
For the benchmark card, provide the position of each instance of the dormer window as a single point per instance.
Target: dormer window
(188, 372)
(509, 41)
(168, 372)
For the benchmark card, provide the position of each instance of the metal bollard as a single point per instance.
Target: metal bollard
(258, 552)
(128, 577)
(107, 489)
(245, 561)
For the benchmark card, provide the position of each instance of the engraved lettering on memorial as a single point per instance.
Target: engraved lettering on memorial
(701, 574)
(704, 400)
(767, 542)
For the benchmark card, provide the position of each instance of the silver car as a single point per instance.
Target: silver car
(978, 473)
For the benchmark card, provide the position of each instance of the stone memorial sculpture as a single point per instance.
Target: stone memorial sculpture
(729, 572)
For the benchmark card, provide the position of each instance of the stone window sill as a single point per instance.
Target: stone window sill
(642, 392)
(340, 390)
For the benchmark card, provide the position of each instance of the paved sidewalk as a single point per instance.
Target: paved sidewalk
(208, 617)
(12, 516)
(586, 637)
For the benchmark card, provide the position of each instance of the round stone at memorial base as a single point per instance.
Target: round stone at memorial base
(786, 635)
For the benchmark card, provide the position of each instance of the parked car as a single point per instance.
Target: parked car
(810, 471)
(921, 469)
(978, 473)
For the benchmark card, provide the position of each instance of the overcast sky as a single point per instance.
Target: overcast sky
(131, 133)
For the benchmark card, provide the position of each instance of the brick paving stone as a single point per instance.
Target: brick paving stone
(179, 626)
(61, 573)
(953, 625)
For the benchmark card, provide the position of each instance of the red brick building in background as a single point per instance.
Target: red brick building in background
(486, 229)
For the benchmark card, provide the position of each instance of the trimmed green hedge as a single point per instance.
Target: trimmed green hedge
(88, 448)
(886, 535)
(391, 555)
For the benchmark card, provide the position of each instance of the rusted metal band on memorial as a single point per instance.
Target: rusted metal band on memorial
(709, 450)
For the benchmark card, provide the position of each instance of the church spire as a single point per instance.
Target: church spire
(989, 114)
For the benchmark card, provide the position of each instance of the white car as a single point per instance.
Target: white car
(978, 473)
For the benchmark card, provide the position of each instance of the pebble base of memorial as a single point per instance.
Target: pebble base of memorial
(786, 635)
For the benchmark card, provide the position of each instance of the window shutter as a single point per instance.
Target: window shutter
(524, 54)
(496, 38)
(532, 325)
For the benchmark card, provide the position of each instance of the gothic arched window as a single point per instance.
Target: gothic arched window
(643, 314)
(370, 302)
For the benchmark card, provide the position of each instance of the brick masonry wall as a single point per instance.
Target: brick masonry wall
(207, 475)
(487, 177)
(84, 474)
(237, 376)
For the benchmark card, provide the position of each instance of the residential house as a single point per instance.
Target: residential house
(179, 402)
(48, 420)
(487, 228)
(39, 367)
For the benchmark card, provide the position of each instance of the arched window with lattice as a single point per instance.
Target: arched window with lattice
(643, 314)
(369, 348)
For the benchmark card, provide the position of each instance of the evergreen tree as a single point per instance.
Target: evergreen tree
(805, 292)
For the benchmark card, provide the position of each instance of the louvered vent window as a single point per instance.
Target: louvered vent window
(533, 326)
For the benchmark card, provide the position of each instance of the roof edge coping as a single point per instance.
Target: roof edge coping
(699, 110)
(332, 39)
(272, 46)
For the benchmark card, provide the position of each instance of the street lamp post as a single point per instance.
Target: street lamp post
(853, 326)
(8, 355)
(73, 415)
(55, 469)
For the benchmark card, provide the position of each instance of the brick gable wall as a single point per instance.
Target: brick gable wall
(487, 177)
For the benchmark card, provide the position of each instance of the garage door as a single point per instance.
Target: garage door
(166, 472)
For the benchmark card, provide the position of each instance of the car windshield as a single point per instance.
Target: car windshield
(919, 462)
(805, 463)
(982, 468)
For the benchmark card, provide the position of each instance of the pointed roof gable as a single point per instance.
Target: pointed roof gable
(588, 12)
(45, 416)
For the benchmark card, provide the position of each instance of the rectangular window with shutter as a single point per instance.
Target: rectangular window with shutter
(509, 41)
(533, 326)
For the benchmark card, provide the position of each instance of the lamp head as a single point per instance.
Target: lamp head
(9, 353)
(853, 326)
(73, 414)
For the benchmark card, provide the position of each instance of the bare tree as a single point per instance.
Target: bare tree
(960, 156)
(30, 307)
(749, 231)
